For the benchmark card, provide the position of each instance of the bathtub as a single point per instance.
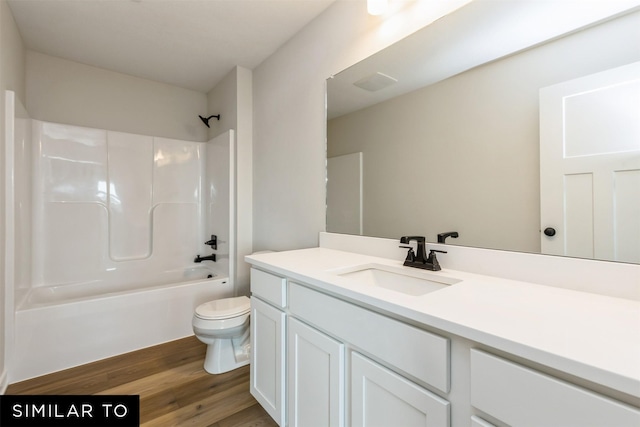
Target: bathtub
(119, 283)
(59, 327)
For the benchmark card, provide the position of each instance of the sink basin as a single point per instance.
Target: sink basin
(398, 279)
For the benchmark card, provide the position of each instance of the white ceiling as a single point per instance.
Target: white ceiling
(188, 43)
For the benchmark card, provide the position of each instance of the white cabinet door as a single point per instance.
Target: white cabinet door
(267, 358)
(380, 397)
(315, 377)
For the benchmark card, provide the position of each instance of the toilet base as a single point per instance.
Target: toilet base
(225, 355)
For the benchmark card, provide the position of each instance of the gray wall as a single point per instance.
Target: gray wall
(68, 92)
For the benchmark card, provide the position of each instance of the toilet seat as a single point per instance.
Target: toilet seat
(223, 308)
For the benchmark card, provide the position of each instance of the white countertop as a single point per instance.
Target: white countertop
(591, 336)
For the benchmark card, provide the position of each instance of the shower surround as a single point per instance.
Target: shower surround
(116, 207)
(110, 206)
(113, 223)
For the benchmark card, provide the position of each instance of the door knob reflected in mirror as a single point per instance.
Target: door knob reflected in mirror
(549, 231)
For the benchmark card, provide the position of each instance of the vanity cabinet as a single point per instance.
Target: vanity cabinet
(415, 352)
(330, 342)
(378, 395)
(348, 365)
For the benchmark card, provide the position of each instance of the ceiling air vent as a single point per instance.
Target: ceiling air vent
(375, 82)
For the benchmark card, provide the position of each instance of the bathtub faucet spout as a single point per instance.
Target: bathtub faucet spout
(211, 257)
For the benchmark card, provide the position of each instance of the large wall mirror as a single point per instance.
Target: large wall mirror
(442, 131)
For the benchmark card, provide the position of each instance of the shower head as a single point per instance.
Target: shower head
(206, 120)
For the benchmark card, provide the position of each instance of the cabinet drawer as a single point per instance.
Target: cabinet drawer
(521, 396)
(269, 287)
(418, 353)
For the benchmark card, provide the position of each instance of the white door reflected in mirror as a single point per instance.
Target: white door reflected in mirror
(590, 166)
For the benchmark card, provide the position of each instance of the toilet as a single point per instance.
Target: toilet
(224, 326)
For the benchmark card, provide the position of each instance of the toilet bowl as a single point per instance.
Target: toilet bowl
(224, 326)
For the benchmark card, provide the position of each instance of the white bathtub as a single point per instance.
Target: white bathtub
(120, 282)
(65, 326)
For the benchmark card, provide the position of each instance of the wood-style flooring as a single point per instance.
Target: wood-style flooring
(174, 388)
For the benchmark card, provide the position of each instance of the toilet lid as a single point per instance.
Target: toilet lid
(224, 308)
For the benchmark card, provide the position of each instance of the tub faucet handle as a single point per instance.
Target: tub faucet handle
(213, 242)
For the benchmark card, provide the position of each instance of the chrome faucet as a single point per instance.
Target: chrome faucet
(417, 259)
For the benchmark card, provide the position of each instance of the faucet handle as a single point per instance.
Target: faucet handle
(432, 254)
(433, 259)
(213, 242)
(411, 255)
